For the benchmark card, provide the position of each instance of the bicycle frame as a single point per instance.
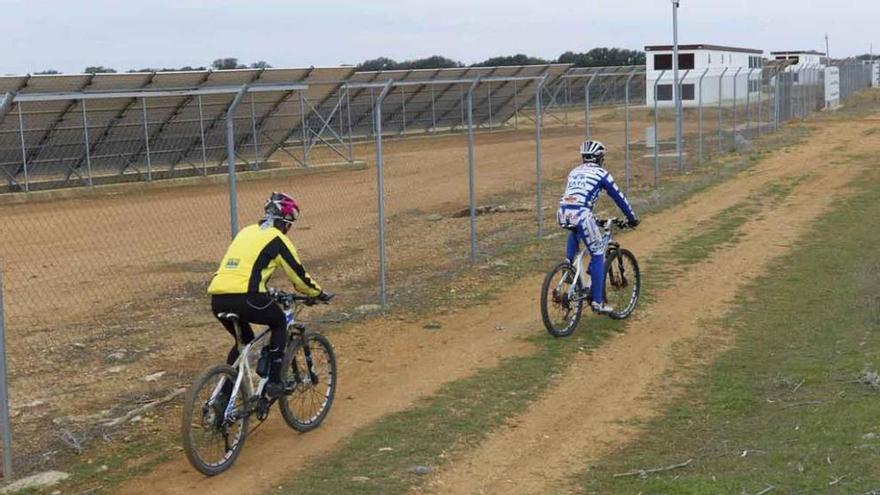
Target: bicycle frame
(243, 368)
(579, 265)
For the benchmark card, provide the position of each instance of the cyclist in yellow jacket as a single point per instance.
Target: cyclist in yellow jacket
(239, 285)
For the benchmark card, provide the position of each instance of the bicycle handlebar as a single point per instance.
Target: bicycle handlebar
(289, 297)
(617, 222)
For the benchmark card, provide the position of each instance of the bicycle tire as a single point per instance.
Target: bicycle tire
(294, 358)
(616, 279)
(546, 295)
(190, 408)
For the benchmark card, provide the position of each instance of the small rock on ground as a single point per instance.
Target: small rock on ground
(360, 479)
(421, 470)
(368, 308)
(154, 377)
(432, 326)
(39, 480)
(434, 217)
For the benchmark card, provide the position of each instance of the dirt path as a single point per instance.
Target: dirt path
(593, 409)
(385, 375)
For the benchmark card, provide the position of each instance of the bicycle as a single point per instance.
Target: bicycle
(567, 285)
(221, 423)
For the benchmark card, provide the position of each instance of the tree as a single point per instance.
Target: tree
(47, 72)
(385, 63)
(603, 57)
(99, 69)
(262, 64)
(518, 59)
(227, 63)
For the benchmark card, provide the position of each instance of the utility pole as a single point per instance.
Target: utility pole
(827, 52)
(676, 93)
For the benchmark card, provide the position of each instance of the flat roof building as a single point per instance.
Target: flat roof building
(700, 69)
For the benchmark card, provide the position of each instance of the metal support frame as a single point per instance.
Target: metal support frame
(24, 160)
(85, 121)
(305, 137)
(515, 106)
(202, 137)
(380, 192)
(720, 110)
(256, 164)
(700, 114)
(758, 121)
(5, 425)
(230, 159)
(146, 141)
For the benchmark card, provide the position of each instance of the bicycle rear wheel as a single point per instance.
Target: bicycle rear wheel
(211, 442)
(307, 406)
(623, 283)
(560, 313)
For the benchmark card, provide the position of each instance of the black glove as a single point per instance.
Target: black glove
(325, 297)
(634, 223)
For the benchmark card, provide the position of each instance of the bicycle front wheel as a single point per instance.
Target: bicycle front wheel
(623, 283)
(560, 311)
(212, 441)
(310, 363)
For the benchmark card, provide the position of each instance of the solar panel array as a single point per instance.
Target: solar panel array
(437, 105)
(65, 139)
(156, 134)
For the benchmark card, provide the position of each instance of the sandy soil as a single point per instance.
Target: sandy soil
(469, 340)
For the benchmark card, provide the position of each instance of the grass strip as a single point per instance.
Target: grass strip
(794, 404)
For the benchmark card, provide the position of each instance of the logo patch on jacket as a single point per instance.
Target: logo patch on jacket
(232, 263)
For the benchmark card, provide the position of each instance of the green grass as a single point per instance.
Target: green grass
(790, 405)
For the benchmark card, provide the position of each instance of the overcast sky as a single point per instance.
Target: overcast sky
(68, 35)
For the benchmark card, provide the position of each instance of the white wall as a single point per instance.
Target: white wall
(710, 90)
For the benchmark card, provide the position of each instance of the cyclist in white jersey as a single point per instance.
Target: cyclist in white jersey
(575, 214)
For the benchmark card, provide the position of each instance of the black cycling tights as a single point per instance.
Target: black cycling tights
(254, 308)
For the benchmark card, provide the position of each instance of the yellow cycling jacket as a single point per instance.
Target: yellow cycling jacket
(251, 259)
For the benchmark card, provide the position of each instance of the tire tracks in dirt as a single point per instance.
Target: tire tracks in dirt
(407, 362)
(594, 406)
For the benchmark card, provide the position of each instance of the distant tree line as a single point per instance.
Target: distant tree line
(597, 57)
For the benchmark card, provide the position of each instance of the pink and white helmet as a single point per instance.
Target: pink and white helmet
(282, 207)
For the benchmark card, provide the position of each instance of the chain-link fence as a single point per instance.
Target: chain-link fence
(115, 215)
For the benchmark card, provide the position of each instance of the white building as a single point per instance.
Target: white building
(701, 68)
(805, 64)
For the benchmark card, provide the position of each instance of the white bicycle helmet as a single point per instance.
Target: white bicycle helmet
(593, 152)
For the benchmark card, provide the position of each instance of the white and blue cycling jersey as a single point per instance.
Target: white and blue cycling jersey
(585, 182)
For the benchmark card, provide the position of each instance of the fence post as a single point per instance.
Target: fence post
(472, 194)
(515, 106)
(587, 105)
(679, 135)
(305, 131)
(230, 160)
(5, 426)
(758, 120)
(700, 114)
(657, 133)
(733, 134)
(348, 126)
(720, 110)
(86, 141)
(749, 102)
(627, 165)
(380, 190)
(539, 123)
(24, 162)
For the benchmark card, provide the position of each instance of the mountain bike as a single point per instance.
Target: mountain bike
(215, 423)
(566, 287)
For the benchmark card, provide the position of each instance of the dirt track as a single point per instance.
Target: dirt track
(623, 371)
